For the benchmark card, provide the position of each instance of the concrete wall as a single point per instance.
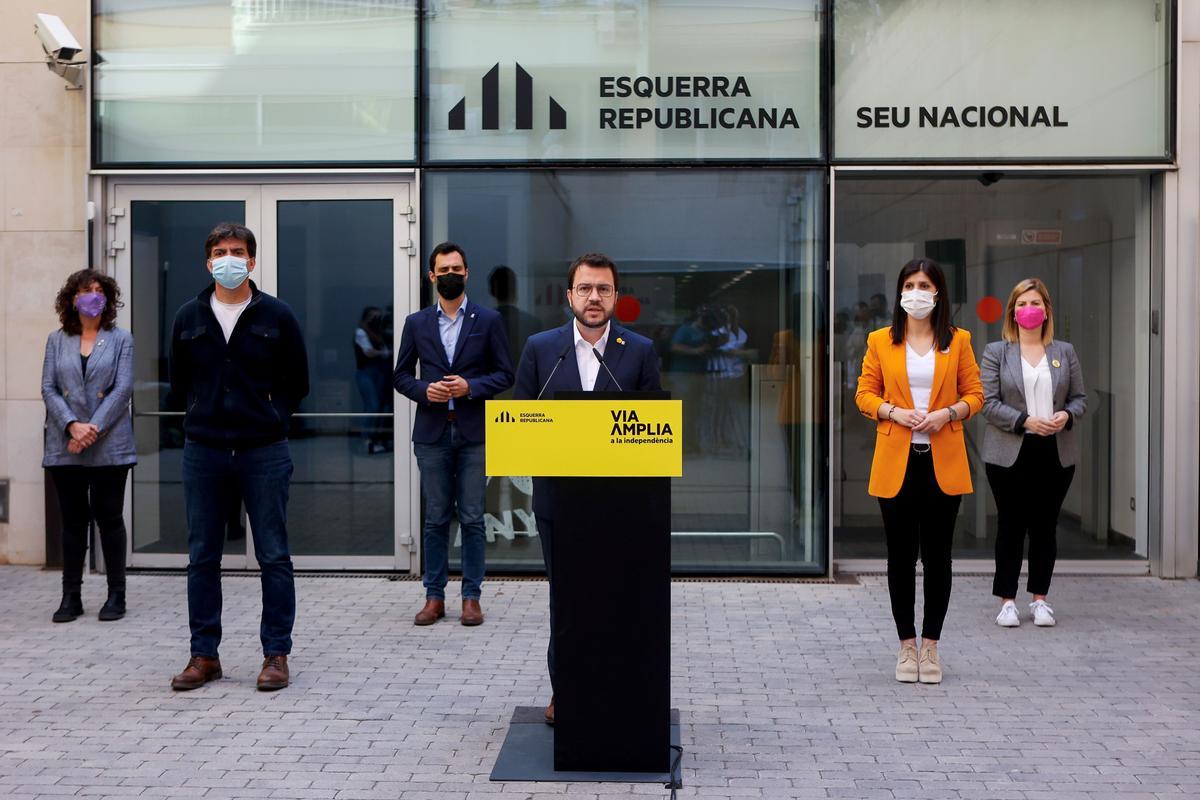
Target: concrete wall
(43, 169)
(1181, 327)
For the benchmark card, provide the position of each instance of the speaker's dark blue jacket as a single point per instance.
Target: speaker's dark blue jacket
(549, 360)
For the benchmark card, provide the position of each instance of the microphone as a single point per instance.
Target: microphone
(561, 356)
(604, 364)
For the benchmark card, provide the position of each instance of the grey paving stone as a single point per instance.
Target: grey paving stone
(785, 691)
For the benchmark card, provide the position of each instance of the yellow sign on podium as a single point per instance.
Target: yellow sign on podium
(585, 438)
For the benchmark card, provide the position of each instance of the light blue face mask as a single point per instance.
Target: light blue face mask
(230, 271)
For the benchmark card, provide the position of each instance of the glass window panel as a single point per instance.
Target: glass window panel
(167, 259)
(722, 270)
(1087, 239)
(232, 81)
(623, 79)
(335, 271)
(962, 79)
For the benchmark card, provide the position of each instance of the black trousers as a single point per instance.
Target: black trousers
(919, 521)
(546, 538)
(1029, 496)
(84, 494)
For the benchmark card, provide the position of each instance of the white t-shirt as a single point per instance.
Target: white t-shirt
(1039, 389)
(920, 383)
(227, 315)
(589, 365)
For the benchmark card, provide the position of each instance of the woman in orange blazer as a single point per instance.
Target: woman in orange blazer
(919, 384)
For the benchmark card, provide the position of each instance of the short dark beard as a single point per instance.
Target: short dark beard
(587, 324)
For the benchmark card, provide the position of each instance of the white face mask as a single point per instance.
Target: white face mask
(918, 303)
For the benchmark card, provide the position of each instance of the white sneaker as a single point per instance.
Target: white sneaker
(1043, 614)
(1008, 617)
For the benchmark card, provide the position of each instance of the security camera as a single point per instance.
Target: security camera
(56, 38)
(61, 48)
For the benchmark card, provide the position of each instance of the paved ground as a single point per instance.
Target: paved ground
(785, 692)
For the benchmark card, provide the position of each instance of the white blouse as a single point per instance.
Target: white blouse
(1039, 389)
(920, 383)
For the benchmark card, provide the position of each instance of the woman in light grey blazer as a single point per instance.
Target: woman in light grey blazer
(1033, 396)
(87, 380)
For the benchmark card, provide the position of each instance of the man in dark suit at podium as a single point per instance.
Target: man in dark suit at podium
(590, 353)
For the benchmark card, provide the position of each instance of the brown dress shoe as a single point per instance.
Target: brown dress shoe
(472, 614)
(431, 613)
(199, 671)
(274, 674)
(550, 711)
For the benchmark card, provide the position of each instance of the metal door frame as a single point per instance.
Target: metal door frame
(259, 192)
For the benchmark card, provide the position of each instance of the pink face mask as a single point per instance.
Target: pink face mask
(1030, 317)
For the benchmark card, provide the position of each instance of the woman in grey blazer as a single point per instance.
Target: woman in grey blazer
(87, 380)
(1033, 396)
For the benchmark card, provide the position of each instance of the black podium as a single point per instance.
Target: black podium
(612, 618)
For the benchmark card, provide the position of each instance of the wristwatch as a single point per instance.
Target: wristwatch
(953, 413)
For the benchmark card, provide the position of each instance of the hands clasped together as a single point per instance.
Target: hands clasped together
(83, 436)
(1047, 427)
(921, 421)
(448, 387)
(934, 421)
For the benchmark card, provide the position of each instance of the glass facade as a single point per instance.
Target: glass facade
(254, 81)
(723, 271)
(697, 145)
(1005, 82)
(1088, 240)
(636, 80)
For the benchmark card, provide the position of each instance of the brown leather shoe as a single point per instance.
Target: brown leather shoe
(431, 613)
(550, 711)
(274, 674)
(199, 671)
(472, 614)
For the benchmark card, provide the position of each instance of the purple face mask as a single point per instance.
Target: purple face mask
(90, 304)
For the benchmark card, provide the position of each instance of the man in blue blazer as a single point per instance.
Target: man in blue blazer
(589, 353)
(464, 359)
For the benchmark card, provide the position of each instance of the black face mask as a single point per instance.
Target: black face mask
(451, 285)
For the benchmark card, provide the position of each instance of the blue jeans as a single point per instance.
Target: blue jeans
(212, 478)
(452, 478)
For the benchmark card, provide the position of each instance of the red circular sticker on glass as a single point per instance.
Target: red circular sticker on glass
(628, 308)
(989, 309)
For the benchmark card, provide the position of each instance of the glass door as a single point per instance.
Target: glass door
(156, 239)
(340, 257)
(334, 262)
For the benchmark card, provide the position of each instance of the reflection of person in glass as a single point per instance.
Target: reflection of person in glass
(689, 362)
(87, 379)
(372, 370)
(239, 368)
(713, 322)
(464, 360)
(1033, 395)
(519, 325)
(727, 370)
(919, 384)
(562, 360)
